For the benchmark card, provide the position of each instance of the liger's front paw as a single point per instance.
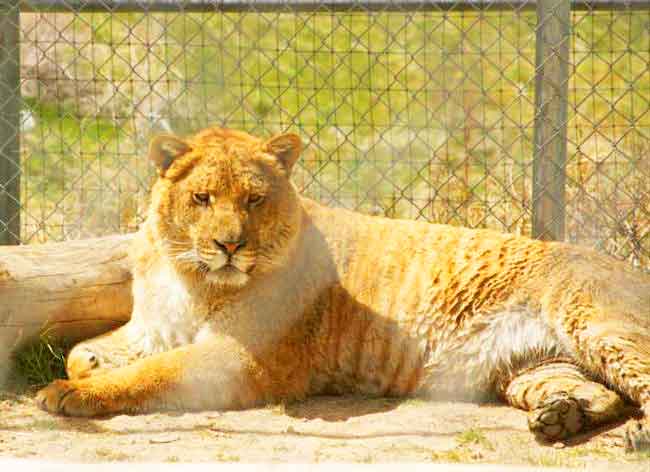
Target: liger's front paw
(64, 397)
(81, 363)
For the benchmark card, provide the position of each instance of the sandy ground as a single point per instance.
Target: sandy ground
(319, 430)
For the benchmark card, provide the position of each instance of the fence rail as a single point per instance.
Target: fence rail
(526, 116)
(311, 5)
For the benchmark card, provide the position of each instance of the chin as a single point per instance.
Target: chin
(227, 277)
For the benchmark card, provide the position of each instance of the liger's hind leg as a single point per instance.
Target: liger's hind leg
(617, 349)
(622, 356)
(561, 400)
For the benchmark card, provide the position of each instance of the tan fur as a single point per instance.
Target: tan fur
(322, 300)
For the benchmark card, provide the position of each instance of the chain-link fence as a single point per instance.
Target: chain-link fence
(528, 117)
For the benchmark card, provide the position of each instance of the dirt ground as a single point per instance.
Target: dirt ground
(318, 430)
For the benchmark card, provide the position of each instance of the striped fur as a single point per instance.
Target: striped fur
(323, 300)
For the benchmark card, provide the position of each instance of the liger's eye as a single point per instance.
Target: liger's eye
(255, 200)
(201, 198)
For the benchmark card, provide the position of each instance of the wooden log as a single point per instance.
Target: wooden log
(74, 289)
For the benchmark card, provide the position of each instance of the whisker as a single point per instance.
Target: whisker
(190, 255)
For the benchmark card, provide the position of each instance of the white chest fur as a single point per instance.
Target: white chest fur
(165, 315)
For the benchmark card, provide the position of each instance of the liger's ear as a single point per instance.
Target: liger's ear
(286, 148)
(164, 149)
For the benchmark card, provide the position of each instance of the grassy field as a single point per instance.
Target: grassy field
(416, 115)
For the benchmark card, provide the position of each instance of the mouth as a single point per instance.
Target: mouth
(228, 268)
(224, 274)
(227, 275)
(225, 267)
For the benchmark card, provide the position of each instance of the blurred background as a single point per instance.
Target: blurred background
(522, 116)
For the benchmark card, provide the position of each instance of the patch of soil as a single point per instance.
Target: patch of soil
(328, 429)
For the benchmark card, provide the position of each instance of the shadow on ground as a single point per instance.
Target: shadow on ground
(349, 429)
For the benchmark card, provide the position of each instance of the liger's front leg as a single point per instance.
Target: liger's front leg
(211, 375)
(98, 355)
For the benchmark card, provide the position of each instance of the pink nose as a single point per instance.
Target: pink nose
(229, 247)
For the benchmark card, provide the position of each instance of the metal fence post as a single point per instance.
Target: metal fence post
(9, 122)
(551, 103)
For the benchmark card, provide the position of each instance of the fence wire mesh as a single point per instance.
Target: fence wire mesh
(425, 113)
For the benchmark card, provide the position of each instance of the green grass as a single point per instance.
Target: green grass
(416, 115)
(474, 436)
(49, 424)
(39, 363)
(641, 456)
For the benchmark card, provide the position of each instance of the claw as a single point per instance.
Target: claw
(60, 406)
(52, 397)
(637, 437)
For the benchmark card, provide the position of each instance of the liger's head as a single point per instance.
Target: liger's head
(223, 207)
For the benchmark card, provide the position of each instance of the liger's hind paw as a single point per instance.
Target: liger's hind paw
(559, 417)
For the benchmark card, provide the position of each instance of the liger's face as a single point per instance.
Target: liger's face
(227, 214)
